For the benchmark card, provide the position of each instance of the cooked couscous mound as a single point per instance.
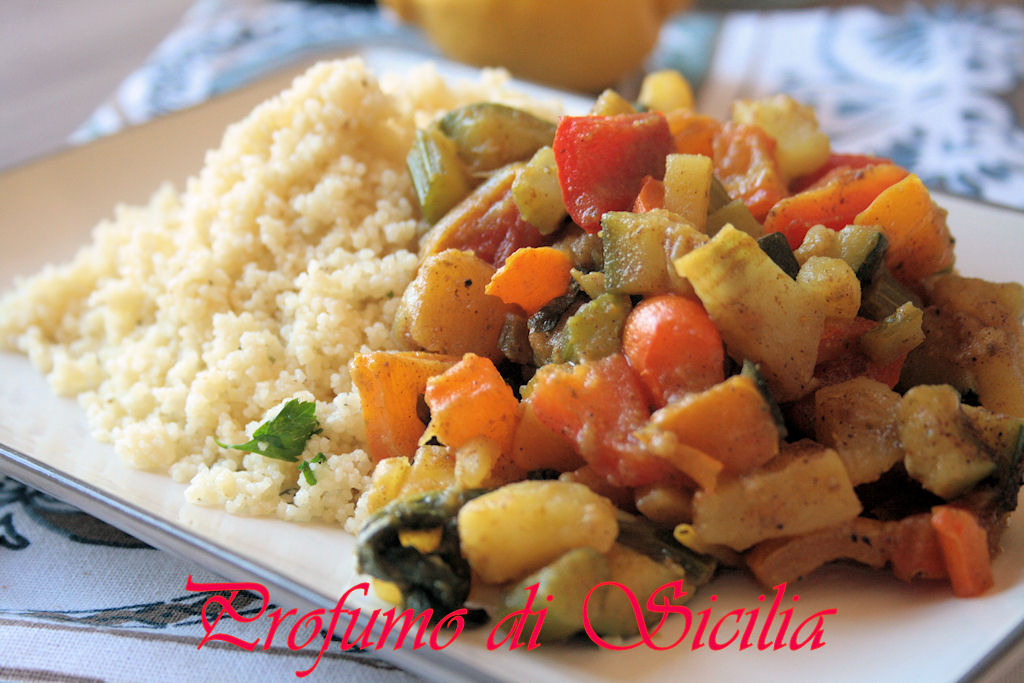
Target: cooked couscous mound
(199, 315)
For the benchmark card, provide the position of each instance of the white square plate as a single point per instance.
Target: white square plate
(882, 630)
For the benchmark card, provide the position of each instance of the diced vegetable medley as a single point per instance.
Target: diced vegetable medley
(644, 343)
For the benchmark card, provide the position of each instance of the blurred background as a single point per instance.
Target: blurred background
(934, 84)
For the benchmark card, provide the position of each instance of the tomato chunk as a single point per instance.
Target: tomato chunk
(602, 161)
(598, 406)
(745, 162)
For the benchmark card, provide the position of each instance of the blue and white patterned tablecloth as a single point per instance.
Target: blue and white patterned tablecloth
(940, 89)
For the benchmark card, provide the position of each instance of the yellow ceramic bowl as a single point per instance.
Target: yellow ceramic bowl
(578, 44)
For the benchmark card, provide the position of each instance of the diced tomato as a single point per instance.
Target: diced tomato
(650, 197)
(693, 133)
(840, 358)
(496, 233)
(598, 406)
(833, 162)
(602, 161)
(745, 163)
(834, 201)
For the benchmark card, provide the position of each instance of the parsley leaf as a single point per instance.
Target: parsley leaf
(285, 436)
(307, 472)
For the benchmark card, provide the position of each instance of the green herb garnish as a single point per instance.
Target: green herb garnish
(285, 436)
(307, 473)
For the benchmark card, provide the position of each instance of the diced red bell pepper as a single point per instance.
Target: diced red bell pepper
(834, 201)
(833, 162)
(598, 405)
(602, 161)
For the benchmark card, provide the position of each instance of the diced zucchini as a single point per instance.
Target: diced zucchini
(895, 336)
(884, 296)
(864, 249)
(568, 580)
(940, 449)
(777, 247)
(537, 194)
(763, 314)
(594, 330)
(488, 135)
(639, 249)
(688, 187)
(737, 214)
(719, 196)
(665, 90)
(438, 175)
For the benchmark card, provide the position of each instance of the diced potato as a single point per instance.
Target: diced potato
(819, 241)
(974, 341)
(611, 103)
(834, 283)
(537, 194)
(664, 91)
(688, 187)
(941, 451)
(763, 315)
(519, 528)
(858, 418)
(445, 309)
(803, 489)
(432, 469)
(479, 463)
(665, 504)
(802, 146)
(388, 479)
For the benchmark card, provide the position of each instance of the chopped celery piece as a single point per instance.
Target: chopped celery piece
(537, 193)
(639, 249)
(438, 176)
(719, 196)
(489, 135)
(736, 214)
(895, 336)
